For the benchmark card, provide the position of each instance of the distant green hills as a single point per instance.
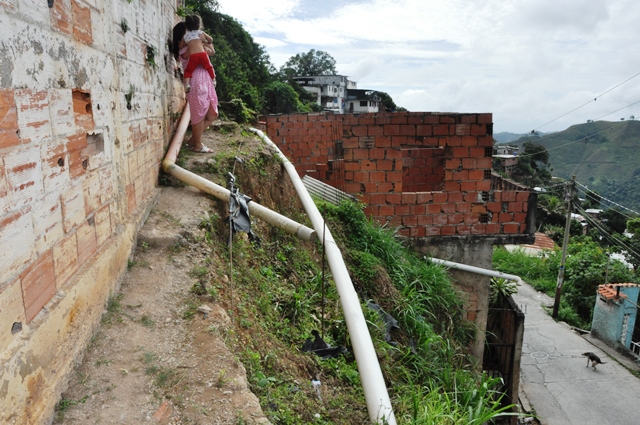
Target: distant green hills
(603, 155)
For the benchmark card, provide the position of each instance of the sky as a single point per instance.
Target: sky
(528, 62)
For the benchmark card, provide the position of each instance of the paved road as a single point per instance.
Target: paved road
(556, 381)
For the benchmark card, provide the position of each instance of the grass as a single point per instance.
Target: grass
(278, 303)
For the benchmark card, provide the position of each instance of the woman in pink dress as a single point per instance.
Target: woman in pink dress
(203, 100)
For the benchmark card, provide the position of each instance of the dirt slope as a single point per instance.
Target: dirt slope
(156, 358)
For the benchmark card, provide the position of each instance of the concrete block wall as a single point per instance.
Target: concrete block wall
(85, 115)
(427, 173)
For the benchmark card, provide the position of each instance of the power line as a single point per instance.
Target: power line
(581, 139)
(606, 234)
(586, 103)
(610, 201)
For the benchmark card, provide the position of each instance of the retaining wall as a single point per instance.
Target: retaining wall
(87, 102)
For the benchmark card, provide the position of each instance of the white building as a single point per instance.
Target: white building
(338, 94)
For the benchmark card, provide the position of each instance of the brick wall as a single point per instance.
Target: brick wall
(428, 173)
(84, 121)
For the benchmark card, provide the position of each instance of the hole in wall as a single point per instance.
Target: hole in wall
(484, 218)
(61, 162)
(50, 3)
(85, 163)
(16, 327)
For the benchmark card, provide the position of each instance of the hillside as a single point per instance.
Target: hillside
(603, 155)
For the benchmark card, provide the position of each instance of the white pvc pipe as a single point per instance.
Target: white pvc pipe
(476, 270)
(375, 390)
(255, 209)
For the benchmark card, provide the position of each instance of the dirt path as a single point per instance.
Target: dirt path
(156, 358)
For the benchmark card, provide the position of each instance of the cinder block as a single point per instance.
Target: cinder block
(61, 18)
(47, 223)
(55, 168)
(65, 260)
(11, 311)
(86, 241)
(33, 115)
(61, 109)
(24, 177)
(73, 209)
(16, 232)
(8, 120)
(81, 22)
(38, 285)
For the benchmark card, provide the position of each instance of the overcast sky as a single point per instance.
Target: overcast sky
(526, 61)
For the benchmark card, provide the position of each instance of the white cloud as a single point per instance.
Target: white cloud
(526, 61)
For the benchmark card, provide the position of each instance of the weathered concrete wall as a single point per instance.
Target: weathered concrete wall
(614, 320)
(86, 109)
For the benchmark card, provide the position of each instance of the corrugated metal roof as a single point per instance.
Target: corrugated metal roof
(325, 191)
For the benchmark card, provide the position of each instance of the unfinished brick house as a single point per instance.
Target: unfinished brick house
(426, 174)
(85, 114)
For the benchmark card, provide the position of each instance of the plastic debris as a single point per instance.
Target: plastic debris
(315, 383)
(321, 348)
(389, 321)
(239, 210)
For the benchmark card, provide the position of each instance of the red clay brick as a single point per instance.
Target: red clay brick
(522, 196)
(81, 23)
(463, 129)
(424, 198)
(470, 163)
(468, 119)
(510, 228)
(463, 207)
(468, 186)
(448, 208)
(485, 118)
(432, 230)
(385, 210)
(515, 207)
(448, 230)
(434, 208)
(409, 198)
(493, 228)
(87, 243)
(451, 186)
(483, 185)
(391, 130)
(38, 284)
(8, 120)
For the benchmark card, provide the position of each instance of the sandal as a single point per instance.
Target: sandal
(203, 149)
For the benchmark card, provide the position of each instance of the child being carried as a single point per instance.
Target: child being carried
(198, 43)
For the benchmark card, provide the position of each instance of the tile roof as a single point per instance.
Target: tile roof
(610, 290)
(542, 242)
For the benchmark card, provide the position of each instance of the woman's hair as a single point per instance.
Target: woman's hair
(178, 33)
(193, 22)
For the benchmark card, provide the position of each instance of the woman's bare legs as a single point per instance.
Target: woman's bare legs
(195, 142)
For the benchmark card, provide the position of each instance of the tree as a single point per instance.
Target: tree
(533, 167)
(314, 62)
(593, 200)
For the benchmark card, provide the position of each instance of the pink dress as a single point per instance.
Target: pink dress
(202, 94)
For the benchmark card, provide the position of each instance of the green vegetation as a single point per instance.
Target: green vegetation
(245, 73)
(586, 268)
(600, 154)
(277, 303)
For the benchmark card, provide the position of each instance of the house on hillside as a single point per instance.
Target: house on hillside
(615, 316)
(338, 94)
(505, 159)
(359, 101)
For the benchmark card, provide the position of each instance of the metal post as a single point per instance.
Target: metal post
(565, 242)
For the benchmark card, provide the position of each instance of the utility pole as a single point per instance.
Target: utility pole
(569, 197)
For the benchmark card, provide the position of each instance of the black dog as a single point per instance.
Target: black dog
(595, 360)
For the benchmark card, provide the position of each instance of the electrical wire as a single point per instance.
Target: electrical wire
(607, 234)
(581, 139)
(586, 103)
(610, 201)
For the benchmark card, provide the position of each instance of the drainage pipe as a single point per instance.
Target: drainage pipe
(255, 209)
(477, 270)
(375, 390)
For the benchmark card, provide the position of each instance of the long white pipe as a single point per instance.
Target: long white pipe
(375, 390)
(255, 209)
(477, 270)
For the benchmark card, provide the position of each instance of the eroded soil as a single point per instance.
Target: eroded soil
(156, 358)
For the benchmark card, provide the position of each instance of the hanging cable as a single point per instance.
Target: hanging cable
(610, 201)
(586, 103)
(607, 234)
